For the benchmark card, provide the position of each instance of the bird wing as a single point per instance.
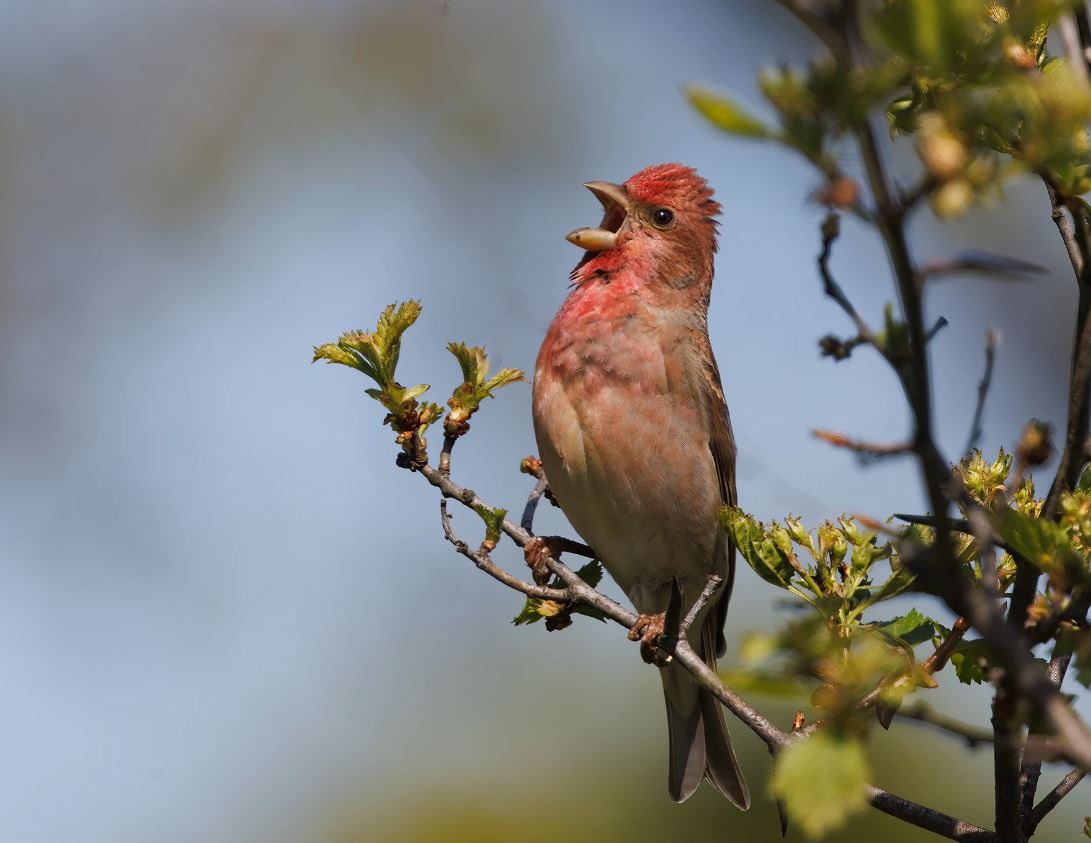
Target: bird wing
(722, 444)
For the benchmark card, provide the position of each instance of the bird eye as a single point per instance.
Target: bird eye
(662, 217)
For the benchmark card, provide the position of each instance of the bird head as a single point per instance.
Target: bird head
(662, 219)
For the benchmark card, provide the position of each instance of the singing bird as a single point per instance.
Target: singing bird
(635, 438)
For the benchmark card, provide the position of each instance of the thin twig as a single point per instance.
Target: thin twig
(1063, 221)
(1068, 25)
(924, 713)
(992, 339)
(483, 561)
(1053, 798)
(939, 325)
(864, 449)
(938, 660)
(711, 585)
(817, 22)
(527, 521)
(831, 230)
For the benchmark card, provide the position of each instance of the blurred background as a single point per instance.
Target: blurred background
(225, 615)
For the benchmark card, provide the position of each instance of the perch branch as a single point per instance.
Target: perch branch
(679, 649)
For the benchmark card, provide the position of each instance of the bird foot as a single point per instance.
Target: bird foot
(535, 552)
(648, 630)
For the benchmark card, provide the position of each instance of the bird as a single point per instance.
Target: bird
(635, 438)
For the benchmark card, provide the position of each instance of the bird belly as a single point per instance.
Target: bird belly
(630, 465)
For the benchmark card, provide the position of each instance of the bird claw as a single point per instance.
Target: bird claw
(648, 630)
(535, 552)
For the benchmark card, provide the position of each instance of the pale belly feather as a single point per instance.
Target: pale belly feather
(627, 458)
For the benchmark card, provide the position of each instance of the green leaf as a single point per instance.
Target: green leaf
(821, 781)
(494, 520)
(591, 573)
(971, 662)
(393, 322)
(1047, 545)
(530, 614)
(534, 609)
(472, 361)
(502, 378)
(756, 546)
(376, 354)
(467, 396)
(414, 391)
(335, 354)
(725, 114)
(913, 628)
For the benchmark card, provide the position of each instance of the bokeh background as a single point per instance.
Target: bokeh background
(224, 615)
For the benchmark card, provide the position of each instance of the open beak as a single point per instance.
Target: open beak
(615, 204)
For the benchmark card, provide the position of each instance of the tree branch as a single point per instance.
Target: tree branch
(865, 450)
(1053, 798)
(578, 591)
(992, 339)
(924, 713)
(926, 818)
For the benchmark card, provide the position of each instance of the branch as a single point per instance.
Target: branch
(992, 339)
(1052, 799)
(866, 450)
(938, 660)
(831, 230)
(1032, 769)
(679, 649)
(481, 559)
(924, 713)
(926, 818)
(711, 585)
(1064, 225)
(527, 521)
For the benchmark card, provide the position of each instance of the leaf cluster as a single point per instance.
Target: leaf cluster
(376, 354)
(476, 386)
(972, 83)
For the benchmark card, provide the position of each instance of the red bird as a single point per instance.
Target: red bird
(635, 438)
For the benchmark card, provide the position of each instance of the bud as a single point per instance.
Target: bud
(1017, 55)
(842, 192)
(835, 347)
(1035, 444)
(953, 199)
(531, 465)
(798, 532)
(941, 149)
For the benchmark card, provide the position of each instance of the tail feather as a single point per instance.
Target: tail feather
(700, 746)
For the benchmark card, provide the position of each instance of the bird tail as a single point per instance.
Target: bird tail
(700, 746)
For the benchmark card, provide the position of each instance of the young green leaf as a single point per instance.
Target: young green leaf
(530, 614)
(913, 628)
(1047, 545)
(494, 520)
(476, 385)
(971, 662)
(725, 114)
(757, 546)
(821, 781)
(376, 354)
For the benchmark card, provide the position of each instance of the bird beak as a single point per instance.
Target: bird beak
(615, 203)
